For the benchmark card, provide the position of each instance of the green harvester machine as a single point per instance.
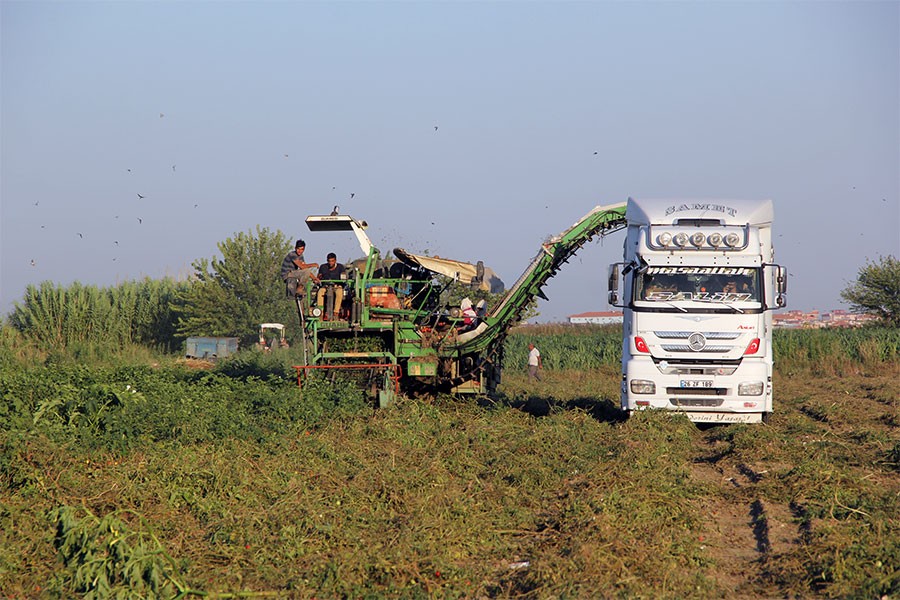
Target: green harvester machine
(394, 330)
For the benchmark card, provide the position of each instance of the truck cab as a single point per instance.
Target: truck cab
(697, 286)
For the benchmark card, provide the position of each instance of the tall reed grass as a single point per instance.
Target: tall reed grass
(832, 351)
(81, 318)
(836, 351)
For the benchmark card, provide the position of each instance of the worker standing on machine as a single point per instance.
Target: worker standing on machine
(294, 270)
(331, 276)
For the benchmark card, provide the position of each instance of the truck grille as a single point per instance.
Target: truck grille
(691, 337)
(683, 335)
(678, 391)
(708, 402)
(697, 366)
(686, 348)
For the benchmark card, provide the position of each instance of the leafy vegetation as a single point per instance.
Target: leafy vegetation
(232, 295)
(164, 481)
(877, 290)
(86, 319)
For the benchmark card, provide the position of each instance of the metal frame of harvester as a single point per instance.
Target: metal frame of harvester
(395, 324)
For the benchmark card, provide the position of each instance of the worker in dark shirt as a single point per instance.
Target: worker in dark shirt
(295, 271)
(331, 273)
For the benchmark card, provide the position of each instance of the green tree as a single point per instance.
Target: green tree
(232, 295)
(876, 290)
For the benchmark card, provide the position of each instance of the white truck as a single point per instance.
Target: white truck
(697, 287)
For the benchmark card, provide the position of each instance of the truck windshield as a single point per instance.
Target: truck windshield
(727, 285)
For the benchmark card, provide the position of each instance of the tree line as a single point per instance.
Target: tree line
(230, 295)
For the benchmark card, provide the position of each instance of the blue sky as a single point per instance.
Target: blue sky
(225, 116)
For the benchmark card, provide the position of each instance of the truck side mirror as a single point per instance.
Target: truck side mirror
(613, 285)
(781, 279)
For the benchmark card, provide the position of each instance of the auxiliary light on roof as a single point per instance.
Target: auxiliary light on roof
(698, 240)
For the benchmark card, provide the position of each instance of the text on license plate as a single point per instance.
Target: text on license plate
(696, 383)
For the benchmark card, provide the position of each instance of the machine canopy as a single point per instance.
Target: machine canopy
(477, 275)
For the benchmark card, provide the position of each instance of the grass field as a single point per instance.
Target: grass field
(159, 480)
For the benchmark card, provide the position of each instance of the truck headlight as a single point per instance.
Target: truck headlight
(750, 388)
(642, 386)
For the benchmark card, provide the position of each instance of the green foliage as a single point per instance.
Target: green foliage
(582, 347)
(252, 484)
(105, 558)
(253, 396)
(876, 290)
(276, 364)
(72, 318)
(232, 295)
(565, 346)
(836, 351)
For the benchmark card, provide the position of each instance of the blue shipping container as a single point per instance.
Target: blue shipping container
(210, 347)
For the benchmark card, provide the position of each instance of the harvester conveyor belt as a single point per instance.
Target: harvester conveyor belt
(553, 253)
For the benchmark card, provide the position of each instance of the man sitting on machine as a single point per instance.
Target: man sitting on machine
(331, 276)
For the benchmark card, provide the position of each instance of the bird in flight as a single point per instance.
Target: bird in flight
(334, 211)
(352, 194)
(173, 168)
(161, 115)
(140, 220)
(32, 262)
(435, 127)
(117, 242)
(81, 236)
(140, 197)
(38, 202)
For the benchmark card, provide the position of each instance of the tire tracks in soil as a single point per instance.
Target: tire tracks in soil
(743, 529)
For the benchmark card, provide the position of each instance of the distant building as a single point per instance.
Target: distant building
(815, 320)
(597, 318)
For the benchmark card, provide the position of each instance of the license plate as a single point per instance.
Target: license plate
(696, 383)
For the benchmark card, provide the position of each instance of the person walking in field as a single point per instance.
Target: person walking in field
(534, 362)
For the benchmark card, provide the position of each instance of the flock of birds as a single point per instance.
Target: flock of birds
(141, 196)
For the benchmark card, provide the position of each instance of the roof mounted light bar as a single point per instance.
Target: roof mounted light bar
(697, 240)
